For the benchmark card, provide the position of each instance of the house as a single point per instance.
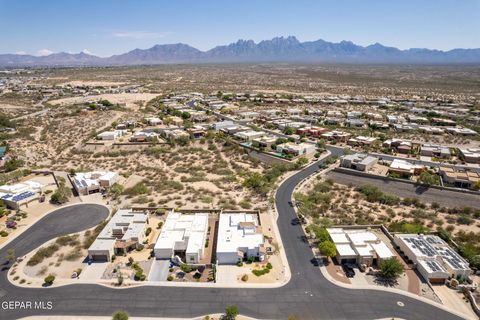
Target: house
(197, 132)
(359, 246)
(293, 112)
(183, 235)
(222, 124)
(433, 257)
(461, 131)
(264, 142)
(311, 131)
(470, 155)
(110, 135)
(361, 141)
(248, 115)
(153, 121)
(433, 150)
(294, 149)
(358, 161)
(123, 232)
(404, 168)
(16, 195)
(356, 123)
(336, 135)
(86, 183)
(176, 134)
(249, 135)
(239, 237)
(443, 122)
(144, 136)
(399, 145)
(459, 178)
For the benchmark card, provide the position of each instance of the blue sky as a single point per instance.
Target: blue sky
(105, 27)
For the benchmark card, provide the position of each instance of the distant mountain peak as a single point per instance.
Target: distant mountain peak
(277, 49)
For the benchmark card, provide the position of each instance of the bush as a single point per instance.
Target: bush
(245, 278)
(391, 268)
(328, 248)
(269, 266)
(120, 315)
(170, 278)
(231, 312)
(42, 253)
(49, 279)
(148, 231)
(374, 194)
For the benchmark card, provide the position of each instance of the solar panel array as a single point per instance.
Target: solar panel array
(453, 259)
(431, 246)
(18, 197)
(434, 266)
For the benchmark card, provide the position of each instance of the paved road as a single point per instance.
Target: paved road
(308, 294)
(445, 198)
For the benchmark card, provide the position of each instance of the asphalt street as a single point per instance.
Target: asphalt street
(308, 295)
(444, 198)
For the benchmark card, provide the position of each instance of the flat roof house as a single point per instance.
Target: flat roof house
(90, 182)
(110, 135)
(358, 161)
(16, 195)
(359, 246)
(122, 233)
(433, 150)
(459, 178)
(471, 155)
(337, 135)
(404, 168)
(249, 135)
(434, 258)
(183, 235)
(264, 142)
(296, 149)
(239, 237)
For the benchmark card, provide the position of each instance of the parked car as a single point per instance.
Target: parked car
(295, 221)
(349, 272)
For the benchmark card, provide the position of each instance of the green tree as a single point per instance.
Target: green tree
(475, 262)
(428, 178)
(120, 315)
(328, 248)
(231, 312)
(49, 279)
(391, 268)
(288, 131)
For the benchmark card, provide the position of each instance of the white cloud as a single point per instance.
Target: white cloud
(44, 52)
(139, 35)
(21, 53)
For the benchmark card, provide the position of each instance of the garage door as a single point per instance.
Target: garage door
(99, 257)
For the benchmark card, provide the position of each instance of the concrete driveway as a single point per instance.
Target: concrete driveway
(93, 271)
(159, 270)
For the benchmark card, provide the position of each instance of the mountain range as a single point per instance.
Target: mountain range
(279, 49)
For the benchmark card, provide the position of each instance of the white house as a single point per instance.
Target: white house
(296, 149)
(359, 246)
(183, 234)
(239, 237)
(434, 258)
(90, 182)
(124, 231)
(16, 195)
(110, 135)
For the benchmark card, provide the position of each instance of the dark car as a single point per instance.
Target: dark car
(315, 262)
(295, 221)
(349, 272)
